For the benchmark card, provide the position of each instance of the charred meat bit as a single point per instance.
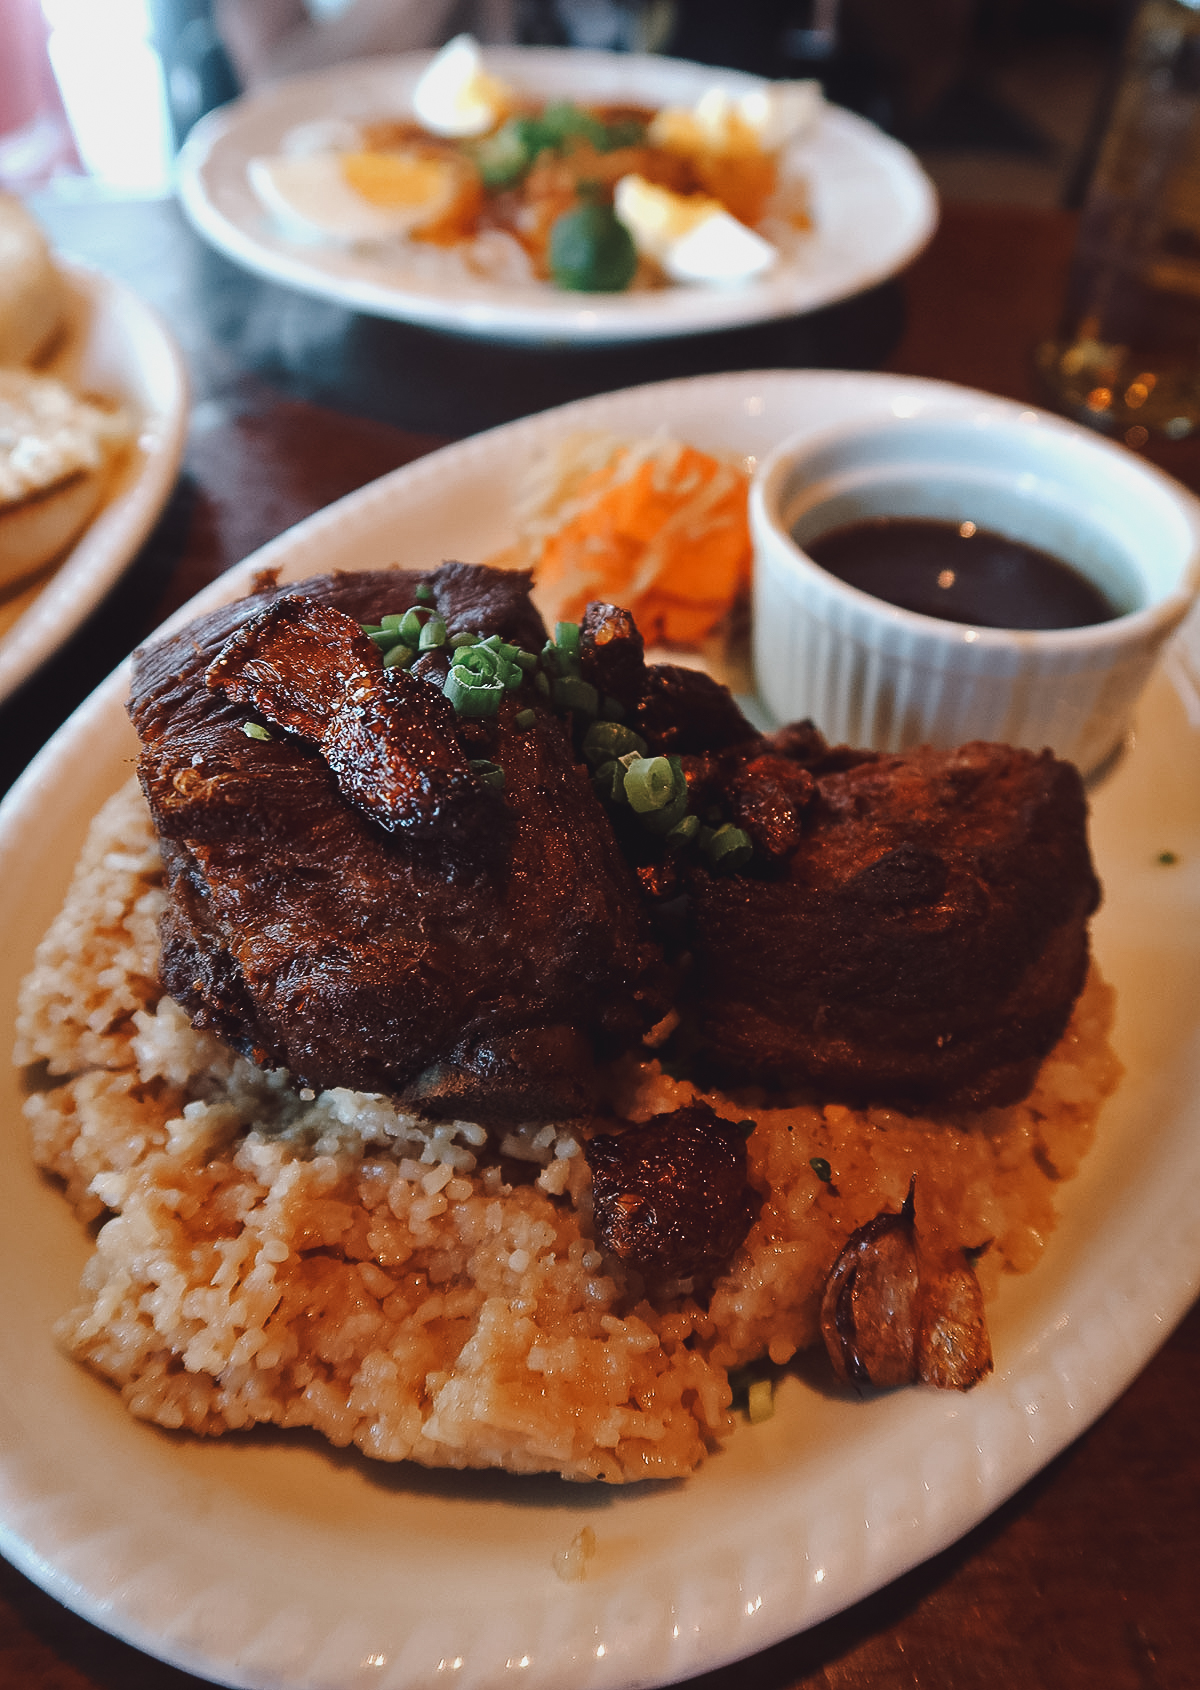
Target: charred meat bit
(672, 1198)
(888, 1317)
(683, 710)
(767, 798)
(675, 709)
(389, 739)
(611, 654)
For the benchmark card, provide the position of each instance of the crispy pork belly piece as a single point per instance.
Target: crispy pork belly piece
(923, 943)
(310, 932)
(672, 1198)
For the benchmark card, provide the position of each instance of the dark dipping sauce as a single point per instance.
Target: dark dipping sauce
(960, 573)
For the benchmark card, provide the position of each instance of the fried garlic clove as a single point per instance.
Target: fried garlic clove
(889, 1318)
(954, 1351)
(870, 1310)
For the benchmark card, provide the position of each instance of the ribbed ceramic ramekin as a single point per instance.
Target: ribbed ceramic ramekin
(870, 674)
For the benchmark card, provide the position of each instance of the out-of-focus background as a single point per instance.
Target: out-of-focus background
(1001, 99)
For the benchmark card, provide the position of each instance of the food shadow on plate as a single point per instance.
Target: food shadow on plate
(1103, 772)
(475, 1486)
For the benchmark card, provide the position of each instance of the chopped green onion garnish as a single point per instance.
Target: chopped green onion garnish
(605, 740)
(760, 1401)
(411, 624)
(727, 848)
(401, 656)
(608, 783)
(471, 696)
(566, 637)
(385, 638)
(479, 676)
(503, 158)
(682, 832)
(821, 1168)
(649, 784)
(463, 639)
(433, 634)
(393, 622)
(255, 730)
(424, 594)
(571, 693)
(525, 718)
(491, 774)
(666, 820)
(554, 662)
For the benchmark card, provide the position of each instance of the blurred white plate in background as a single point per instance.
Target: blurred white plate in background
(873, 206)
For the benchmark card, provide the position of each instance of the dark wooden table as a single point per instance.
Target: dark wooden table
(1088, 1578)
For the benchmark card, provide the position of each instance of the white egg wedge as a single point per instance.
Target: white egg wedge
(356, 196)
(455, 96)
(691, 237)
(763, 120)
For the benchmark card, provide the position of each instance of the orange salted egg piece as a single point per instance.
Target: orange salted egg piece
(366, 195)
(444, 193)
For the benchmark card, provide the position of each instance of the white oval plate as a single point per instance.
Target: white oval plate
(873, 206)
(115, 345)
(271, 1560)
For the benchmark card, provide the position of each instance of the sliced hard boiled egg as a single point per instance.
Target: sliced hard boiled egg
(760, 121)
(691, 237)
(780, 111)
(323, 135)
(456, 97)
(356, 196)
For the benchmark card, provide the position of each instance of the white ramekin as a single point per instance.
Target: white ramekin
(870, 674)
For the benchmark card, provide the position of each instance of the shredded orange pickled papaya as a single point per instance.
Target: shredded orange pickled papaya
(662, 531)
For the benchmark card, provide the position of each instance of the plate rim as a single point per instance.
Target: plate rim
(1045, 1381)
(93, 565)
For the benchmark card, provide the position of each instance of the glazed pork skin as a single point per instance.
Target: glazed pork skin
(307, 936)
(923, 944)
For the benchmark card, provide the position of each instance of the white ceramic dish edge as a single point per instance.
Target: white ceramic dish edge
(117, 346)
(872, 673)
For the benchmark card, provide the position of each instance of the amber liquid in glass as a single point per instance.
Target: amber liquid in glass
(1127, 356)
